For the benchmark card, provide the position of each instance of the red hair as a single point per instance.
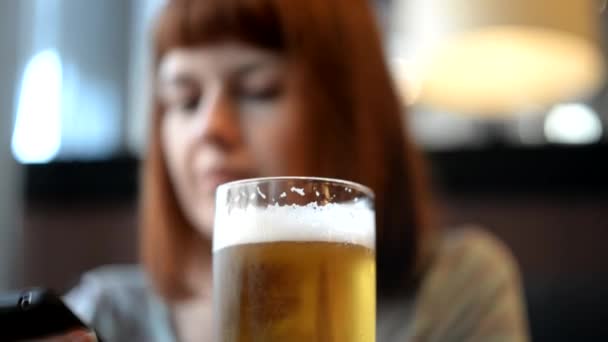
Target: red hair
(351, 106)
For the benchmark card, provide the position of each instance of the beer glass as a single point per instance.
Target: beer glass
(294, 260)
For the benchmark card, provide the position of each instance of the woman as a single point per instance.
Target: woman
(249, 88)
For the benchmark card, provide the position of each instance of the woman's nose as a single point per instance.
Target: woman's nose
(220, 122)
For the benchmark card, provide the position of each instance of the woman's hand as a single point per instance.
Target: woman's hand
(72, 336)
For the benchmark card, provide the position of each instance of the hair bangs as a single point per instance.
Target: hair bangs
(187, 23)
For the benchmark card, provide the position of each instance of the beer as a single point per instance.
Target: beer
(295, 291)
(294, 273)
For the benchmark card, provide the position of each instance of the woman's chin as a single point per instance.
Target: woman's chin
(203, 222)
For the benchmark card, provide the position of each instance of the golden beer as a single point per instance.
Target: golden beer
(295, 291)
(294, 260)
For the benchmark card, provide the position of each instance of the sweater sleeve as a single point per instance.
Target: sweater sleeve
(94, 299)
(471, 293)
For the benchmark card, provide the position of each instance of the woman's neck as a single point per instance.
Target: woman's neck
(192, 316)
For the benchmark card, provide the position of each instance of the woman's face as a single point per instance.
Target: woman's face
(231, 112)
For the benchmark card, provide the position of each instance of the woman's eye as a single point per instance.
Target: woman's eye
(262, 94)
(190, 103)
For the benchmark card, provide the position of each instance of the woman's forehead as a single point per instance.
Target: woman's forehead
(224, 58)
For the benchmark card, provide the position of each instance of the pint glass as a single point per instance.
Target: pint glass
(294, 260)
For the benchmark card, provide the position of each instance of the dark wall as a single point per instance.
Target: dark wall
(63, 240)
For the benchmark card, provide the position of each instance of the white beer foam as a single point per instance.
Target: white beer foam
(342, 223)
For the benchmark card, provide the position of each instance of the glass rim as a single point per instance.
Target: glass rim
(367, 191)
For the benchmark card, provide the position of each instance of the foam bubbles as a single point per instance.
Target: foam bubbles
(343, 223)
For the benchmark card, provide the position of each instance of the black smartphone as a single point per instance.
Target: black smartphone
(34, 314)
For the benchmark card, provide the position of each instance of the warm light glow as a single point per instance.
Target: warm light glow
(37, 132)
(406, 80)
(497, 58)
(573, 124)
(510, 69)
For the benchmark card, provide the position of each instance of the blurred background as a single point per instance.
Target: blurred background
(508, 99)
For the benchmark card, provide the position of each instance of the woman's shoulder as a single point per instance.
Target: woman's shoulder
(111, 290)
(470, 257)
(109, 281)
(116, 277)
(118, 302)
(473, 248)
(472, 288)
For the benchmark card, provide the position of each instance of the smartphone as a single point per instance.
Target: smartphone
(33, 314)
